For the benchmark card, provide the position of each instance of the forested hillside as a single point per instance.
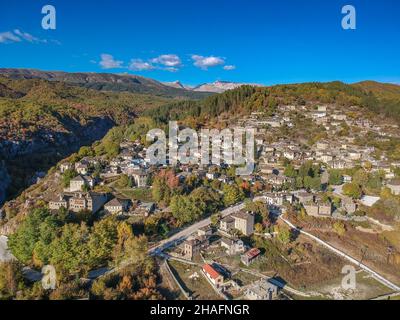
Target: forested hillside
(382, 99)
(42, 122)
(107, 82)
(45, 121)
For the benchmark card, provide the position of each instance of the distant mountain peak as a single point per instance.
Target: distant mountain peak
(175, 84)
(220, 86)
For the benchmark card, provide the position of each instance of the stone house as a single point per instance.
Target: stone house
(262, 290)
(193, 246)
(205, 231)
(250, 256)
(227, 224)
(145, 208)
(77, 183)
(244, 222)
(90, 201)
(59, 202)
(81, 168)
(232, 246)
(65, 166)
(116, 206)
(394, 187)
(274, 199)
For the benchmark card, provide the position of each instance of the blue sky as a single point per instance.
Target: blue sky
(257, 41)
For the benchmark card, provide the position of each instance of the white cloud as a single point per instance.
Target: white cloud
(168, 60)
(108, 62)
(229, 67)
(207, 62)
(28, 37)
(140, 65)
(19, 36)
(6, 37)
(171, 69)
(165, 62)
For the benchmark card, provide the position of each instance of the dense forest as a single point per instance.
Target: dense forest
(383, 99)
(35, 102)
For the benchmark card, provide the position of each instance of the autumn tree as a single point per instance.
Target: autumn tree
(11, 279)
(102, 240)
(352, 190)
(232, 194)
(339, 228)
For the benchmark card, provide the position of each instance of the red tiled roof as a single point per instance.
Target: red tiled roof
(252, 253)
(214, 274)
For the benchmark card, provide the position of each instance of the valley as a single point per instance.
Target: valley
(42, 122)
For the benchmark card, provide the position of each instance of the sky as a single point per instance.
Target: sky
(253, 41)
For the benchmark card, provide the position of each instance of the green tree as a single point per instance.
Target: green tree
(352, 190)
(208, 198)
(258, 227)
(313, 183)
(335, 177)
(339, 228)
(85, 152)
(102, 240)
(290, 171)
(284, 234)
(69, 251)
(67, 176)
(232, 194)
(360, 177)
(23, 241)
(186, 210)
(215, 218)
(48, 230)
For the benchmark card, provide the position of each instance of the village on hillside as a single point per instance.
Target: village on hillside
(326, 173)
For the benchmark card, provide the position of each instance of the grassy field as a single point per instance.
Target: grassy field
(199, 287)
(141, 194)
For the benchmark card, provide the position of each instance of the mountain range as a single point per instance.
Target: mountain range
(125, 82)
(215, 87)
(107, 82)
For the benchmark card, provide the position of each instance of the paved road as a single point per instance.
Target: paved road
(182, 235)
(344, 255)
(5, 254)
(177, 238)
